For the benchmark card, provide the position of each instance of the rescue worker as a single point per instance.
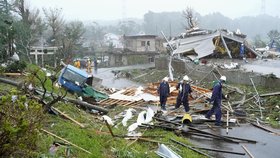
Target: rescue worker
(78, 63)
(184, 91)
(241, 51)
(163, 91)
(95, 65)
(216, 99)
(88, 66)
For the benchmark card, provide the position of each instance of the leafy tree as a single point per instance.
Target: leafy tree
(258, 42)
(6, 30)
(274, 37)
(97, 32)
(128, 27)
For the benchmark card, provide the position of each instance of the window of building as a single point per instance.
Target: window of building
(143, 43)
(148, 43)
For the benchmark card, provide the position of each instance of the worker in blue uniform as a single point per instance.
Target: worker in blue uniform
(163, 92)
(242, 51)
(216, 99)
(184, 91)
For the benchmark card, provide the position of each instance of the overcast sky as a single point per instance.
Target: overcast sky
(118, 9)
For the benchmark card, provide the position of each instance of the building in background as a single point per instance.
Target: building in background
(137, 49)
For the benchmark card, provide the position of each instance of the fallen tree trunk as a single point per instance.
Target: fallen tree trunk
(81, 103)
(14, 83)
(87, 105)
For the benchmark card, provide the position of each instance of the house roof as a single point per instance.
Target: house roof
(139, 36)
(199, 46)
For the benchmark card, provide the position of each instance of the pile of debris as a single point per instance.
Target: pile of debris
(139, 97)
(149, 116)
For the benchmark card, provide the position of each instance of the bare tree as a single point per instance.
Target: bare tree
(72, 37)
(30, 27)
(188, 13)
(98, 33)
(55, 21)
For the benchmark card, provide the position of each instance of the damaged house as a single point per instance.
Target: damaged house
(197, 44)
(137, 49)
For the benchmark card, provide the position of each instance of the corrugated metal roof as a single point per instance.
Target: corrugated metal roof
(200, 46)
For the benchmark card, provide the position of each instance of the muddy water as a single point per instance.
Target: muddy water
(111, 82)
(264, 66)
(267, 146)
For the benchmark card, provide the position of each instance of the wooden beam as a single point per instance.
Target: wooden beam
(247, 151)
(68, 117)
(189, 147)
(225, 45)
(270, 94)
(50, 133)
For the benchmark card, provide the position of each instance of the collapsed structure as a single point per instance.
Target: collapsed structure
(198, 43)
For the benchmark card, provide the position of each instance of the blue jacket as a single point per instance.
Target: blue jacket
(242, 49)
(184, 91)
(163, 89)
(217, 92)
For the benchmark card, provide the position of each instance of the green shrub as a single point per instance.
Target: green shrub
(18, 66)
(20, 120)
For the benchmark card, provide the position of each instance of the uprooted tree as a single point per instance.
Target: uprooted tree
(192, 23)
(48, 93)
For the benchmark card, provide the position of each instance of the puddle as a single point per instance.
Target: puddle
(267, 144)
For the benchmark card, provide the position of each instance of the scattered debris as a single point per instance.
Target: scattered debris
(247, 151)
(165, 152)
(68, 117)
(50, 133)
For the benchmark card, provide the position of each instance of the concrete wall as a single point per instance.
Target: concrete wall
(135, 44)
(199, 72)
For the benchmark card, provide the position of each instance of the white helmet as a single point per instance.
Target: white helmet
(223, 78)
(165, 79)
(186, 78)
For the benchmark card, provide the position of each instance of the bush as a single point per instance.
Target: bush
(17, 66)
(20, 120)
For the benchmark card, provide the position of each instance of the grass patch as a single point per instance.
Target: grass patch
(102, 144)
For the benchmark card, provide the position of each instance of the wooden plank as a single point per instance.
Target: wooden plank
(225, 45)
(68, 117)
(11, 74)
(247, 151)
(264, 128)
(270, 94)
(189, 147)
(129, 103)
(50, 133)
